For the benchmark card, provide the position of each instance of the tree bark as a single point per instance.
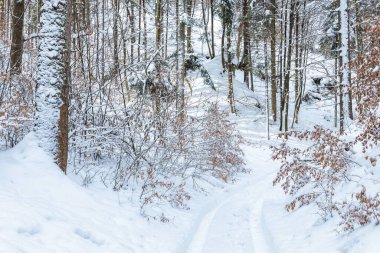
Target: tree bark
(2, 18)
(17, 37)
(273, 59)
(350, 105)
(222, 51)
(132, 27)
(246, 42)
(116, 37)
(158, 26)
(139, 33)
(189, 4)
(205, 25)
(283, 24)
(230, 72)
(145, 32)
(212, 29)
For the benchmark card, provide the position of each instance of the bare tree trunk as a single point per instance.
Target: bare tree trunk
(8, 14)
(222, 49)
(227, 16)
(251, 69)
(139, 33)
(63, 124)
(246, 44)
(336, 84)
(189, 5)
(273, 59)
(266, 86)
(145, 32)
(181, 83)
(281, 59)
(2, 18)
(358, 30)
(158, 24)
(341, 106)
(132, 27)
(166, 29)
(297, 49)
(177, 39)
(87, 12)
(183, 52)
(297, 65)
(238, 43)
(230, 72)
(17, 37)
(157, 84)
(76, 29)
(205, 25)
(97, 47)
(116, 37)
(125, 62)
(212, 29)
(350, 106)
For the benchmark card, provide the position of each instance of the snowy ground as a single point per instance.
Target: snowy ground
(45, 211)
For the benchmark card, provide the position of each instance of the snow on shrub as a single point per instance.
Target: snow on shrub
(16, 109)
(162, 154)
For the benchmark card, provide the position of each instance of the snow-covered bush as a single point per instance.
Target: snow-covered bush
(16, 109)
(361, 210)
(161, 154)
(367, 91)
(311, 173)
(222, 145)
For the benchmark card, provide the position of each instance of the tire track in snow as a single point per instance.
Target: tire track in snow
(197, 236)
(215, 227)
(263, 242)
(233, 219)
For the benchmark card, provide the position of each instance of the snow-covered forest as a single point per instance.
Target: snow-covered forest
(193, 126)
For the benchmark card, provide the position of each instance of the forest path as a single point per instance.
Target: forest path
(234, 221)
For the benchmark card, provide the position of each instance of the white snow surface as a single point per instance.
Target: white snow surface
(45, 211)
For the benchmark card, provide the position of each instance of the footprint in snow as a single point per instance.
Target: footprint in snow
(88, 236)
(29, 231)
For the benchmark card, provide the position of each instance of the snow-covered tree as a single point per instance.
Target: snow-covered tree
(51, 124)
(344, 30)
